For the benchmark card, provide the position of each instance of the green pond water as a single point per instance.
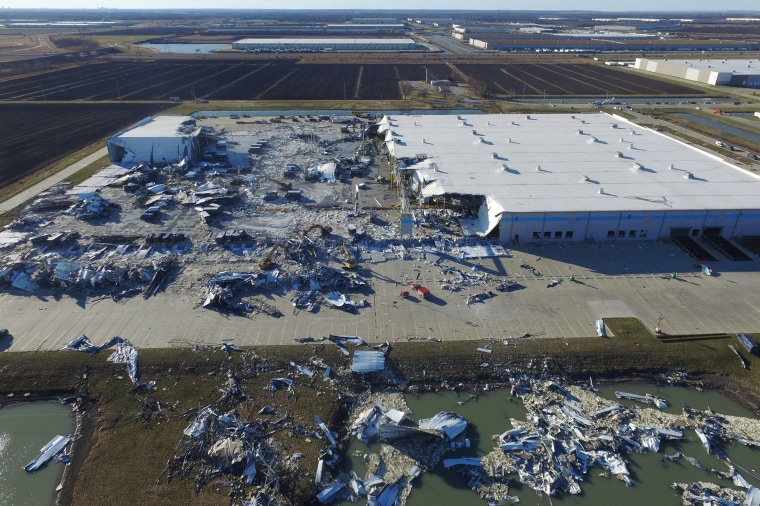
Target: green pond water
(490, 412)
(24, 429)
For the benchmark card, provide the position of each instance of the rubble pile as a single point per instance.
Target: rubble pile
(568, 431)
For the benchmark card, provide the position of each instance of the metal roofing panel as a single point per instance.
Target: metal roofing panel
(368, 361)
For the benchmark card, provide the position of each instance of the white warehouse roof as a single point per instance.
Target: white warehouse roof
(319, 41)
(566, 163)
(718, 65)
(160, 126)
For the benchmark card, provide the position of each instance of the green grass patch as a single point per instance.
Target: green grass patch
(135, 444)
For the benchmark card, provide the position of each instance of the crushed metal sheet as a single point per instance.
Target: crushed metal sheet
(368, 361)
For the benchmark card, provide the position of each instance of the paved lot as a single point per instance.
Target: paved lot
(612, 280)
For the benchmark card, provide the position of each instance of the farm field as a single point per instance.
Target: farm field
(36, 135)
(569, 80)
(285, 79)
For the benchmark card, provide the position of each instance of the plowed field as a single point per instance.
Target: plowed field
(35, 135)
(568, 80)
(289, 80)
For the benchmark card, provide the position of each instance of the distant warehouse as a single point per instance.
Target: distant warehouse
(562, 177)
(745, 73)
(326, 44)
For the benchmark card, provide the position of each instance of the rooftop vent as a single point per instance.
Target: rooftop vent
(618, 154)
(474, 132)
(538, 168)
(586, 179)
(637, 166)
(513, 123)
(688, 175)
(482, 140)
(527, 116)
(424, 141)
(671, 166)
(505, 167)
(600, 191)
(591, 140)
(613, 125)
(509, 140)
(630, 146)
(622, 140)
(580, 132)
(495, 155)
(572, 116)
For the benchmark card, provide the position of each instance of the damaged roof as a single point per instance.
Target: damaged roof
(592, 162)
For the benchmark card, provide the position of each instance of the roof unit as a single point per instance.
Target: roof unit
(637, 167)
(580, 132)
(618, 154)
(688, 175)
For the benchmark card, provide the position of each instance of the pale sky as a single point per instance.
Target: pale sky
(433, 5)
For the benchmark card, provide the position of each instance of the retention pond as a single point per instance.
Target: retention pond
(24, 429)
(652, 474)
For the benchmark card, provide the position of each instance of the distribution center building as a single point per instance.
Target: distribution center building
(326, 44)
(563, 177)
(158, 139)
(745, 73)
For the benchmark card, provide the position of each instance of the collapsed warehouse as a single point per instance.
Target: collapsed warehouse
(261, 192)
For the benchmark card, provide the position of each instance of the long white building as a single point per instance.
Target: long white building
(565, 177)
(336, 44)
(745, 73)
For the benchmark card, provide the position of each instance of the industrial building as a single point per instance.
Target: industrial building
(326, 44)
(158, 139)
(563, 177)
(745, 73)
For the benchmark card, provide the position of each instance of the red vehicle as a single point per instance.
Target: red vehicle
(421, 290)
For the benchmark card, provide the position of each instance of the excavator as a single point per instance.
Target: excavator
(284, 186)
(266, 263)
(348, 262)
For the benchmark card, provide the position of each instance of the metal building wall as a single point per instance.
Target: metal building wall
(623, 225)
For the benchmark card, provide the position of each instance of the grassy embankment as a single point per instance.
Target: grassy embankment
(134, 442)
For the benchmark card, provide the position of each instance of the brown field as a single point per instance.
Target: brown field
(36, 135)
(287, 79)
(562, 80)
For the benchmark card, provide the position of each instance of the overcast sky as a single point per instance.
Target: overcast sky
(638, 5)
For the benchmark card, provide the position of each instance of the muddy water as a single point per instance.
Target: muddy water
(24, 429)
(489, 414)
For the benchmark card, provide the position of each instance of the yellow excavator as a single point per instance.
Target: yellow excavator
(284, 186)
(266, 263)
(348, 262)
